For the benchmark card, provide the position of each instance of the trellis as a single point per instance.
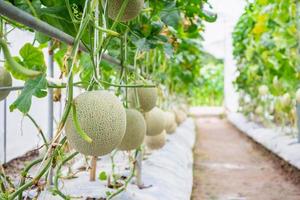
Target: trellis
(11, 12)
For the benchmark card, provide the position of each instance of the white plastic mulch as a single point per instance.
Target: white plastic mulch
(169, 171)
(285, 146)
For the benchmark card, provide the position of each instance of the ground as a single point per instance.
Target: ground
(228, 166)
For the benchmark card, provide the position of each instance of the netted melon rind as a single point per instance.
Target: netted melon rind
(170, 120)
(135, 130)
(156, 142)
(155, 121)
(132, 9)
(180, 116)
(102, 117)
(146, 97)
(5, 81)
(172, 129)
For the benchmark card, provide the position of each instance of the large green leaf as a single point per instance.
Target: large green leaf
(31, 58)
(33, 87)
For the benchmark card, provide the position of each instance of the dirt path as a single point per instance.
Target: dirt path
(228, 167)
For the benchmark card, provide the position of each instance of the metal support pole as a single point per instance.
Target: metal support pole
(298, 120)
(50, 102)
(4, 131)
(138, 163)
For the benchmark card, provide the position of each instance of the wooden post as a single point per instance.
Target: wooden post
(93, 168)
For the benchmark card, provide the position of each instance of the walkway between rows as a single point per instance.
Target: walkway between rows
(229, 167)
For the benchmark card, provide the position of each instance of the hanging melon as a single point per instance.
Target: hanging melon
(5, 81)
(132, 9)
(155, 121)
(143, 98)
(156, 142)
(102, 117)
(135, 130)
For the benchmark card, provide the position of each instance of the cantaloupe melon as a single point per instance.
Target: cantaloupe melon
(259, 110)
(172, 129)
(146, 97)
(285, 100)
(180, 116)
(263, 90)
(184, 108)
(298, 96)
(155, 121)
(5, 81)
(102, 117)
(135, 130)
(156, 142)
(131, 11)
(170, 121)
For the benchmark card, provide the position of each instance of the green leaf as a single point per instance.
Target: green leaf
(33, 57)
(171, 15)
(41, 38)
(33, 87)
(24, 5)
(102, 176)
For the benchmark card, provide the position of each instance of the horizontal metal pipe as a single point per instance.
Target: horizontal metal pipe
(13, 88)
(20, 16)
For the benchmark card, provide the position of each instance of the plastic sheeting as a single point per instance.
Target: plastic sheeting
(169, 171)
(285, 146)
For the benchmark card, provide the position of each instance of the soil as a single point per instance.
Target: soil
(14, 167)
(230, 166)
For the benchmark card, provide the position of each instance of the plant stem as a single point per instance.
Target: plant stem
(24, 174)
(56, 187)
(121, 189)
(32, 182)
(110, 32)
(78, 128)
(39, 130)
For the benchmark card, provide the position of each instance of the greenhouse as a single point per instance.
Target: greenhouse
(149, 100)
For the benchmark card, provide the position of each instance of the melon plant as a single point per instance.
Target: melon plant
(5, 81)
(156, 142)
(135, 130)
(298, 96)
(102, 117)
(263, 90)
(285, 100)
(144, 97)
(155, 121)
(259, 110)
(275, 82)
(132, 9)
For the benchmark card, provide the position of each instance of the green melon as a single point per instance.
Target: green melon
(298, 96)
(170, 120)
(180, 116)
(146, 97)
(102, 117)
(135, 130)
(5, 81)
(172, 129)
(132, 9)
(155, 121)
(285, 100)
(156, 142)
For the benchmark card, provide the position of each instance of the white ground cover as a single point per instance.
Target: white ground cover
(169, 171)
(285, 146)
